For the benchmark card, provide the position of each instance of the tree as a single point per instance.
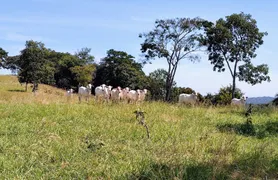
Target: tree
(12, 63)
(51, 67)
(173, 40)
(54, 67)
(120, 69)
(84, 56)
(232, 42)
(83, 74)
(157, 81)
(64, 77)
(224, 96)
(3, 56)
(209, 99)
(33, 64)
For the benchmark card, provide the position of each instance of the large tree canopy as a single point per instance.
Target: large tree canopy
(39, 64)
(232, 43)
(83, 74)
(120, 69)
(173, 40)
(3, 56)
(12, 63)
(33, 65)
(64, 76)
(84, 56)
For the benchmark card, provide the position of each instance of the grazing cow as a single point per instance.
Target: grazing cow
(103, 91)
(133, 95)
(100, 91)
(124, 94)
(239, 102)
(109, 91)
(121, 94)
(69, 93)
(84, 91)
(116, 94)
(142, 95)
(188, 98)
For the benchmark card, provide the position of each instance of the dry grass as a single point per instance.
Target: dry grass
(13, 92)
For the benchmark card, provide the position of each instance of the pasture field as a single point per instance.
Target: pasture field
(49, 137)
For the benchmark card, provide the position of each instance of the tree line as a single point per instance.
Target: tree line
(230, 42)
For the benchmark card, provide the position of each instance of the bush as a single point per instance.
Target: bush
(223, 97)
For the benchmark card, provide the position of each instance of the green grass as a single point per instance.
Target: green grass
(48, 137)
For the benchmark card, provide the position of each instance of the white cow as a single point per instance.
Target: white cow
(84, 91)
(124, 93)
(69, 93)
(116, 94)
(188, 98)
(142, 94)
(239, 102)
(133, 95)
(103, 91)
(109, 91)
(100, 91)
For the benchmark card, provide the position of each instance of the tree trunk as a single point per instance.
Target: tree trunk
(169, 84)
(26, 86)
(172, 79)
(34, 87)
(168, 91)
(169, 81)
(234, 87)
(234, 80)
(167, 87)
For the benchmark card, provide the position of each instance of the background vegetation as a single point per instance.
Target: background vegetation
(231, 43)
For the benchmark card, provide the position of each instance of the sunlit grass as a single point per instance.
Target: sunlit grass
(47, 136)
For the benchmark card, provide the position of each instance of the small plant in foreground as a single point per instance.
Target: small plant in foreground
(140, 114)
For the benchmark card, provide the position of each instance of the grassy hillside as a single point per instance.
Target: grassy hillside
(48, 137)
(11, 91)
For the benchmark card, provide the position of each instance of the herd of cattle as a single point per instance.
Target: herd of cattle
(105, 92)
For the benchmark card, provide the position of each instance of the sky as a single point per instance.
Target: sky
(69, 25)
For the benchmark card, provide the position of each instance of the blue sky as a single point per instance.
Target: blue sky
(69, 25)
